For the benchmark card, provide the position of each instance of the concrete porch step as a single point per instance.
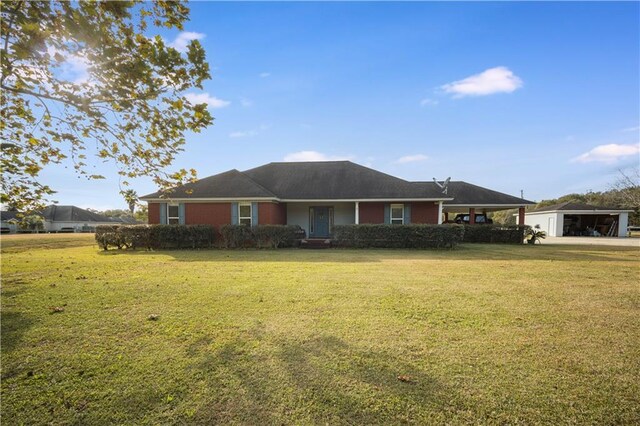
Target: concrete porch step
(315, 243)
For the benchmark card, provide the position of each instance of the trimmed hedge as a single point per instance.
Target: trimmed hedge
(398, 236)
(155, 236)
(493, 234)
(261, 236)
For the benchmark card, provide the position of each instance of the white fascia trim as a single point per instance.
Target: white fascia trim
(365, 200)
(506, 206)
(207, 200)
(321, 200)
(581, 212)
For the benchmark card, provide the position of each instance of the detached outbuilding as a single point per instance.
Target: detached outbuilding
(579, 220)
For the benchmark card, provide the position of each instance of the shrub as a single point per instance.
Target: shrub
(261, 236)
(277, 236)
(493, 234)
(155, 236)
(398, 236)
(236, 236)
(534, 234)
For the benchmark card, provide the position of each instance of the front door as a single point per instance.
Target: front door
(319, 222)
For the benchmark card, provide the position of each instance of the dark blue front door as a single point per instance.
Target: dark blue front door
(319, 221)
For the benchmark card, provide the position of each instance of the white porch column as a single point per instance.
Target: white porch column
(439, 212)
(357, 212)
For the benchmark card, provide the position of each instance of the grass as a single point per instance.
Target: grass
(483, 334)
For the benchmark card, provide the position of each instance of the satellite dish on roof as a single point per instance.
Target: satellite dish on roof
(443, 185)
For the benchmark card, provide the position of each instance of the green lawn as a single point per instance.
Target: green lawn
(483, 334)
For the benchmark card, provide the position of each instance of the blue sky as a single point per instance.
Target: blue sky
(543, 97)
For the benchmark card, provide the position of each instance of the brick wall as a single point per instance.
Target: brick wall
(272, 213)
(372, 212)
(154, 213)
(216, 214)
(424, 212)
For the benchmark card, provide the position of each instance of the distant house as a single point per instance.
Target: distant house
(8, 224)
(318, 195)
(579, 219)
(63, 219)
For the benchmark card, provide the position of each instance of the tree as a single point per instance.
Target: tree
(628, 186)
(129, 108)
(505, 217)
(116, 213)
(32, 222)
(142, 214)
(131, 197)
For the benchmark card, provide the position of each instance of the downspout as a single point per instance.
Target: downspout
(357, 212)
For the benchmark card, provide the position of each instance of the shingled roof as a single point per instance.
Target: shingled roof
(464, 193)
(321, 180)
(230, 184)
(55, 213)
(575, 206)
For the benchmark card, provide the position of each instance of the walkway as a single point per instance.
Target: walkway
(594, 241)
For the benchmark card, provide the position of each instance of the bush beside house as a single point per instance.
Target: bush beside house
(398, 236)
(494, 234)
(155, 236)
(196, 236)
(261, 236)
(279, 236)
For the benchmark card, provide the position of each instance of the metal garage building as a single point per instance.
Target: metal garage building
(579, 219)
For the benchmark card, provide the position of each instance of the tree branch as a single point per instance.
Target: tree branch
(7, 35)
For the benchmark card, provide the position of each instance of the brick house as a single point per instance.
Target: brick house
(318, 195)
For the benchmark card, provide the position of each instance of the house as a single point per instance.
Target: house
(579, 219)
(318, 195)
(62, 219)
(8, 222)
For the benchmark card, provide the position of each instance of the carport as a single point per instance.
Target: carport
(474, 200)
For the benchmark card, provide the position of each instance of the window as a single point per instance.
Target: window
(173, 214)
(244, 214)
(397, 214)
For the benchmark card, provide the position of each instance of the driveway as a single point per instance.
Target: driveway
(593, 241)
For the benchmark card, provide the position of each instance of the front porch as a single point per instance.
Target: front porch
(319, 218)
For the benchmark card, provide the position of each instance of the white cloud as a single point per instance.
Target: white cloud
(631, 129)
(427, 102)
(205, 98)
(249, 133)
(609, 153)
(493, 80)
(243, 134)
(73, 68)
(265, 74)
(246, 102)
(182, 40)
(411, 159)
(313, 156)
